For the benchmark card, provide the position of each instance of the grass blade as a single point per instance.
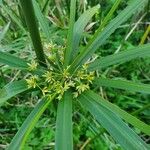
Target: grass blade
(64, 135)
(121, 57)
(123, 84)
(16, 62)
(28, 11)
(42, 20)
(123, 114)
(109, 15)
(100, 37)
(124, 135)
(18, 141)
(13, 61)
(4, 31)
(80, 25)
(145, 35)
(70, 33)
(12, 89)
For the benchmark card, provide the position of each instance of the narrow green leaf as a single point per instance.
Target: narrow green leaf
(42, 20)
(121, 57)
(18, 141)
(13, 61)
(4, 31)
(80, 25)
(100, 37)
(109, 15)
(70, 33)
(123, 114)
(123, 84)
(16, 62)
(143, 108)
(124, 135)
(64, 135)
(12, 89)
(28, 11)
(45, 9)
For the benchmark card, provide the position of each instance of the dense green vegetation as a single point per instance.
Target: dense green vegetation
(74, 74)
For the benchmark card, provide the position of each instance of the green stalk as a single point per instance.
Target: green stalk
(141, 109)
(145, 35)
(28, 11)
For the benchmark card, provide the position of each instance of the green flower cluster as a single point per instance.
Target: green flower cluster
(54, 51)
(60, 81)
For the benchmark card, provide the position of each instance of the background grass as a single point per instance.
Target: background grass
(88, 134)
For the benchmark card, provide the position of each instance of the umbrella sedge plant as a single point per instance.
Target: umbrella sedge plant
(68, 73)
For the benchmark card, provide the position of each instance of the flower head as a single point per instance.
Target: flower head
(65, 73)
(80, 74)
(90, 77)
(82, 87)
(44, 91)
(32, 66)
(48, 76)
(75, 94)
(32, 81)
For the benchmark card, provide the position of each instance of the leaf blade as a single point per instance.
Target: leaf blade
(63, 137)
(4, 31)
(30, 18)
(12, 61)
(100, 37)
(12, 89)
(21, 136)
(121, 57)
(42, 20)
(113, 124)
(80, 24)
(123, 114)
(70, 33)
(123, 84)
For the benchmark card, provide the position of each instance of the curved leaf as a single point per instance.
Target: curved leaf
(64, 137)
(124, 135)
(121, 57)
(18, 141)
(12, 89)
(79, 26)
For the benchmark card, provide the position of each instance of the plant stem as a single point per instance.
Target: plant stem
(141, 109)
(28, 11)
(145, 35)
